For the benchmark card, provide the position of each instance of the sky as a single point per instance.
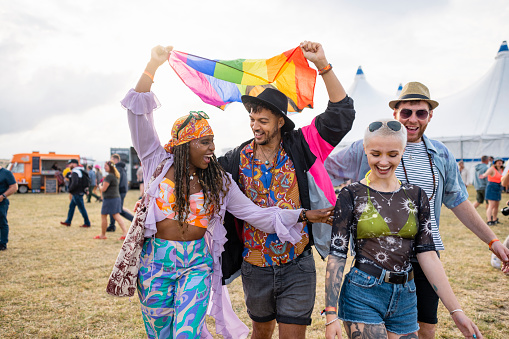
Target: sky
(66, 65)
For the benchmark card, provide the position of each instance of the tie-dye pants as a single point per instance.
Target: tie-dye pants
(174, 286)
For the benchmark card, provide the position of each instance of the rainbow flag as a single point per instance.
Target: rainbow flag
(220, 82)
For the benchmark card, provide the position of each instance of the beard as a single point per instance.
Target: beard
(272, 135)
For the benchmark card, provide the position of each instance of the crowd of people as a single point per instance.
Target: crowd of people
(210, 220)
(257, 211)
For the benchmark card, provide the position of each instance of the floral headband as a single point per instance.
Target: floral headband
(187, 128)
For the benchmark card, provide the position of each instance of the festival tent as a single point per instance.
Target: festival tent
(475, 121)
(369, 104)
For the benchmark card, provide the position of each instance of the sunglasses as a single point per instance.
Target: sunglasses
(394, 125)
(198, 115)
(421, 114)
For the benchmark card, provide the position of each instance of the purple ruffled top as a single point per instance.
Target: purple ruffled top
(140, 108)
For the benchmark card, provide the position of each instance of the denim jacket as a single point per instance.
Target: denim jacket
(352, 163)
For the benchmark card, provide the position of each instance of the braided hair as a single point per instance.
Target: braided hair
(211, 180)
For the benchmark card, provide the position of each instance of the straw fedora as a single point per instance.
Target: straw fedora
(414, 91)
(274, 99)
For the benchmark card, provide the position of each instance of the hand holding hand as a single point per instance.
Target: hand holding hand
(313, 51)
(322, 215)
(466, 326)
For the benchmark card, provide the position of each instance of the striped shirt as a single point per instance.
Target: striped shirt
(419, 173)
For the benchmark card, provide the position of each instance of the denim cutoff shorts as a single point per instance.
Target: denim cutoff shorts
(370, 300)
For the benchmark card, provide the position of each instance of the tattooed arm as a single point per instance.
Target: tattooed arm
(333, 279)
(435, 274)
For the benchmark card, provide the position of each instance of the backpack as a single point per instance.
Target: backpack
(84, 182)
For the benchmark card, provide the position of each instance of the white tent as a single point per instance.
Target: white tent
(369, 104)
(475, 121)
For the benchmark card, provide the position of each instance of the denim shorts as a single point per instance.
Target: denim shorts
(283, 292)
(370, 300)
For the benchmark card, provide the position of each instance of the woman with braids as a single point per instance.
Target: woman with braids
(388, 223)
(188, 194)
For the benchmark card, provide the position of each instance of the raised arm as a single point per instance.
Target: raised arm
(488, 172)
(313, 51)
(158, 56)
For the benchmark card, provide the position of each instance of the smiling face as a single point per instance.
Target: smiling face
(415, 127)
(201, 151)
(266, 126)
(384, 154)
(106, 167)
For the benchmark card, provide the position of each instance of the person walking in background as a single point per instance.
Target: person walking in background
(480, 184)
(139, 177)
(93, 184)
(430, 165)
(111, 200)
(123, 188)
(77, 190)
(98, 180)
(388, 223)
(463, 172)
(493, 190)
(8, 186)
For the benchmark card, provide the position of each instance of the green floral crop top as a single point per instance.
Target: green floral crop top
(387, 228)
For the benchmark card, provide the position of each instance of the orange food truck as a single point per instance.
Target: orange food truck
(37, 172)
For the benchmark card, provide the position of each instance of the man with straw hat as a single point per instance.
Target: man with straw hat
(430, 165)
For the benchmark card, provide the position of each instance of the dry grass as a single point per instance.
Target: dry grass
(53, 278)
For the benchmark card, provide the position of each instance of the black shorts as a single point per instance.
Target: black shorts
(285, 292)
(480, 196)
(427, 299)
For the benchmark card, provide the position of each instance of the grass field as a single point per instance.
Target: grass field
(53, 278)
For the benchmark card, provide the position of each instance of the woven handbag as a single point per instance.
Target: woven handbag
(123, 278)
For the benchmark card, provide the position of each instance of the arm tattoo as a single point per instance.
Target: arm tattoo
(333, 279)
(435, 287)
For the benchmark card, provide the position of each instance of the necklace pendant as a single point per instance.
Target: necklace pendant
(266, 162)
(191, 177)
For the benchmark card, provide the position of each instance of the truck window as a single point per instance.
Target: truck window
(35, 164)
(17, 168)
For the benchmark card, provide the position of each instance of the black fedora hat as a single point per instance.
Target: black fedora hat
(274, 99)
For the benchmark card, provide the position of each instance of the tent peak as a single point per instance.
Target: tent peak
(503, 50)
(360, 72)
(400, 88)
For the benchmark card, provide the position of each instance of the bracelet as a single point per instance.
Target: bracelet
(303, 218)
(456, 310)
(325, 69)
(328, 309)
(3, 194)
(149, 75)
(491, 243)
(330, 322)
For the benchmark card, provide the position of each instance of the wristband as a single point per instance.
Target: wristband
(328, 309)
(149, 75)
(3, 194)
(325, 69)
(491, 243)
(456, 310)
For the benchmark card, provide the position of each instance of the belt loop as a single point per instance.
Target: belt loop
(381, 278)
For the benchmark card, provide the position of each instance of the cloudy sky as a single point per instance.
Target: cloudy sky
(65, 65)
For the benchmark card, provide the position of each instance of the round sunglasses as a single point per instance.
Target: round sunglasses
(421, 114)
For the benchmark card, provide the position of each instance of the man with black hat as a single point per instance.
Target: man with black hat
(283, 167)
(430, 165)
(76, 189)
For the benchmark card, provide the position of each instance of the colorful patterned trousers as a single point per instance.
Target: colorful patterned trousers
(174, 287)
